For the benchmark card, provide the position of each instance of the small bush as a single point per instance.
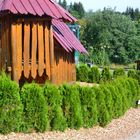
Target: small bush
(89, 106)
(55, 112)
(72, 106)
(118, 72)
(10, 105)
(138, 76)
(94, 75)
(35, 108)
(82, 73)
(131, 73)
(106, 74)
(103, 114)
(108, 100)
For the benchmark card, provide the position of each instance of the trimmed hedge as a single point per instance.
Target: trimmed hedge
(89, 106)
(94, 75)
(106, 75)
(118, 72)
(35, 108)
(68, 106)
(72, 106)
(10, 105)
(53, 98)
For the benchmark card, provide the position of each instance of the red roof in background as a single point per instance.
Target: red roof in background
(36, 7)
(66, 37)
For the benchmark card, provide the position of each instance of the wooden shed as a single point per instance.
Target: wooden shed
(35, 42)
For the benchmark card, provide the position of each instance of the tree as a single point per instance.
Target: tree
(111, 35)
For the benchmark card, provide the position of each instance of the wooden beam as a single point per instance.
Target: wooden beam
(40, 49)
(26, 49)
(34, 51)
(52, 55)
(14, 53)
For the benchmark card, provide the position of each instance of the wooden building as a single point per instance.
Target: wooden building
(35, 42)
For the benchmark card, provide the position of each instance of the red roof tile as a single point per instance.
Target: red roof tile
(36, 7)
(66, 37)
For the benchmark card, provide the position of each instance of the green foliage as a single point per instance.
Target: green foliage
(108, 100)
(138, 76)
(131, 73)
(10, 105)
(94, 75)
(72, 106)
(82, 73)
(35, 108)
(103, 114)
(89, 106)
(106, 74)
(55, 112)
(118, 72)
(111, 34)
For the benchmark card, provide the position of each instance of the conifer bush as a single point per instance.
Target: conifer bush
(82, 73)
(72, 106)
(131, 73)
(35, 108)
(89, 106)
(94, 75)
(138, 76)
(53, 98)
(103, 114)
(10, 105)
(108, 100)
(106, 75)
(118, 72)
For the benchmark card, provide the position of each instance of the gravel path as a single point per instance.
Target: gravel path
(124, 128)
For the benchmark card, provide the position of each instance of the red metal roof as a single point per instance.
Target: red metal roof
(66, 37)
(36, 7)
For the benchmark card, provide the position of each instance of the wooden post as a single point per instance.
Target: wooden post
(52, 55)
(14, 53)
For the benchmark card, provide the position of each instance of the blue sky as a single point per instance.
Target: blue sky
(100, 4)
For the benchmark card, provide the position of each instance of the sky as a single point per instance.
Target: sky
(120, 5)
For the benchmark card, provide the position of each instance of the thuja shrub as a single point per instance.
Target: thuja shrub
(106, 75)
(103, 114)
(35, 108)
(82, 73)
(89, 106)
(131, 73)
(72, 106)
(10, 105)
(94, 75)
(138, 76)
(53, 98)
(118, 72)
(108, 100)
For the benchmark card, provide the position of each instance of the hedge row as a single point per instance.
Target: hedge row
(35, 108)
(94, 75)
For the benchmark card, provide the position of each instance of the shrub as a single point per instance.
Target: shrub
(131, 73)
(103, 114)
(89, 106)
(72, 106)
(35, 108)
(94, 75)
(82, 73)
(10, 105)
(55, 112)
(106, 75)
(118, 72)
(108, 100)
(138, 76)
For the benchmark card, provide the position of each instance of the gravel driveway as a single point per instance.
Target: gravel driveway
(124, 128)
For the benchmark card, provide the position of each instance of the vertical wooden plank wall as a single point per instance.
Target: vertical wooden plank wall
(30, 49)
(64, 66)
